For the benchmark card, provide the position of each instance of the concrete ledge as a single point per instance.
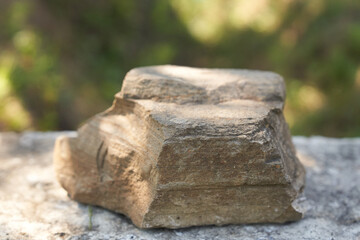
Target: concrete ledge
(34, 206)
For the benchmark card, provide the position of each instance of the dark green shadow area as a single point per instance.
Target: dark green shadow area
(62, 61)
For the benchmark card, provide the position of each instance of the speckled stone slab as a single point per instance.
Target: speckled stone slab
(35, 206)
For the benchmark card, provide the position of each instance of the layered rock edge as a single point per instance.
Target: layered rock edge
(185, 146)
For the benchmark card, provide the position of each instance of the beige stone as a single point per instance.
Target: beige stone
(187, 146)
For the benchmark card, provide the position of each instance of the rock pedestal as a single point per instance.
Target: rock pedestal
(185, 146)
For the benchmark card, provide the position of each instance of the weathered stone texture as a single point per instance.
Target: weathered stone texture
(34, 206)
(184, 146)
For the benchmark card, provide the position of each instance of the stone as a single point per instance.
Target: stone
(184, 146)
(35, 206)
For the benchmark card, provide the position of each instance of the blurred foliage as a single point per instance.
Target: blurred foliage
(62, 61)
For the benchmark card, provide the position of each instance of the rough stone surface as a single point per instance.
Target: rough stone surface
(35, 206)
(186, 146)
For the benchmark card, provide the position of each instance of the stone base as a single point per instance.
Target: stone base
(35, 206)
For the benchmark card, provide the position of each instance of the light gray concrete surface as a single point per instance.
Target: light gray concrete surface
(34, 206)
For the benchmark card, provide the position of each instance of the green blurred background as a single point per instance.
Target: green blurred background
(61, 61)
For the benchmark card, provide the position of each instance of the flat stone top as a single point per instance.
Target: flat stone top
(177, 84)
(232, 112)
(34, 206)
